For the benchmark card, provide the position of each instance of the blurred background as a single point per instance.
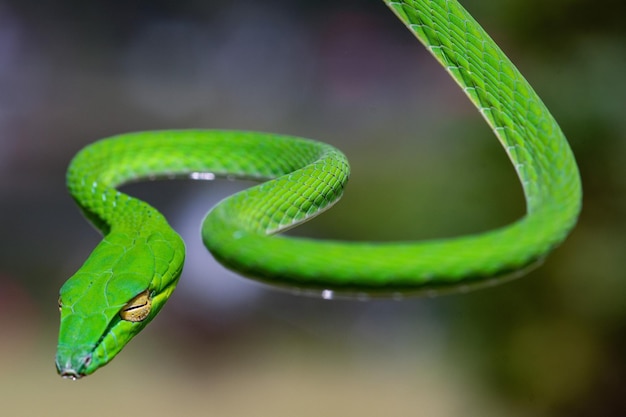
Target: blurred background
(424, 165)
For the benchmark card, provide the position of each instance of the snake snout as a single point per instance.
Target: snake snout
(72, 366)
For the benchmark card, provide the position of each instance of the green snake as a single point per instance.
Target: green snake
(133, 271)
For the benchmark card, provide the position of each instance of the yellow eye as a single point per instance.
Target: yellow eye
(138, 308)
(60, 304)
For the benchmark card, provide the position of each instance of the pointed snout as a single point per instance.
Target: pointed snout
(73, 363)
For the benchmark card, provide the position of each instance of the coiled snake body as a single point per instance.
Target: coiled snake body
(132, 272)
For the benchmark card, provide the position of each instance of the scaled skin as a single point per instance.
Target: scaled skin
(141, 253)
(121, 267)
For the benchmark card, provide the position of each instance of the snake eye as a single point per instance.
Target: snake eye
(60, 304)
(138, 308)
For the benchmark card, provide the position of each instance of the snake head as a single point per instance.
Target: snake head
(112, 297)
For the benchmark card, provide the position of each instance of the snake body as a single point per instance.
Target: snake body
(133, 271)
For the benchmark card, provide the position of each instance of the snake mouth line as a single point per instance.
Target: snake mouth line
(72, 375)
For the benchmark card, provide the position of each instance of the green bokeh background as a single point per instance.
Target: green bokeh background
(424, 165)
